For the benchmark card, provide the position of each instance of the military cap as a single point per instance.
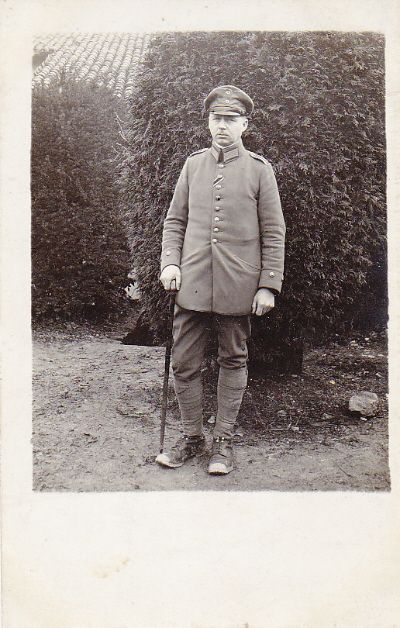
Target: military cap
(228, 100)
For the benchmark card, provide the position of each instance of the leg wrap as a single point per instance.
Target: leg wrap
(190, 400)
(231, 386)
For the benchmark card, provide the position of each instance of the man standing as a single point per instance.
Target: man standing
(223, 252)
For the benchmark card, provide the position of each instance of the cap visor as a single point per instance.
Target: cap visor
(226, 112)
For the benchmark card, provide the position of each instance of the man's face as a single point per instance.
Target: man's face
(226, 130)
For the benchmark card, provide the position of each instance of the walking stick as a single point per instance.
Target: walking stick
(166, 370)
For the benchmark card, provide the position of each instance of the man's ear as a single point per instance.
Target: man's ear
(245, 123)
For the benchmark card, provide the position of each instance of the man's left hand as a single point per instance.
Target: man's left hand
(263, 302)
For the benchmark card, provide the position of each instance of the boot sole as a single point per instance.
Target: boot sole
(218, 468)
(164, 461)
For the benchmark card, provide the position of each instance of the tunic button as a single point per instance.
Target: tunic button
(217, 198)
(218, 187)
(216, 219)
(168, 253)
(216, 229)
(221, 166)
(217, 208)
(214, 240)
(272, 274)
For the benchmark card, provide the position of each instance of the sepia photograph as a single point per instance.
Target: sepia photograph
(199, 314)
(209, 261)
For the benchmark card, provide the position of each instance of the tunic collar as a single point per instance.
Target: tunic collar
(229, 152)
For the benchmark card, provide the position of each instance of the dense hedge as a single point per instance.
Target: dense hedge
(319, 119)
(80, 256)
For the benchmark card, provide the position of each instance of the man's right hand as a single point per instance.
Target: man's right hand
(171, 278)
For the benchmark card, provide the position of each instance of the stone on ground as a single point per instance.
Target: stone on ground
(365, 403)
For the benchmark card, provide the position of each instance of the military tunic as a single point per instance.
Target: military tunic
(225, 230)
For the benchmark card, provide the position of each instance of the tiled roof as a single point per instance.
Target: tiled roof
(110, 59)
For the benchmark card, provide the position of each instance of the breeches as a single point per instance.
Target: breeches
(191, 331)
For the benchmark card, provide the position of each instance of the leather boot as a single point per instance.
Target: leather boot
(221, 461)
(185, 448)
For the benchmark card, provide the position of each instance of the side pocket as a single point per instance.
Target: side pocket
(249, 264)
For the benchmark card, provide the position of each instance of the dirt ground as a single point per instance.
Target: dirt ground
(96, 416)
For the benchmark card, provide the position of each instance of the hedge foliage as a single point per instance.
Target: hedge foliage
(319, 119)
(80, 255)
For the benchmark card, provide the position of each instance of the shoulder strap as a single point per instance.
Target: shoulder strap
(259, 158)
(197, 152)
